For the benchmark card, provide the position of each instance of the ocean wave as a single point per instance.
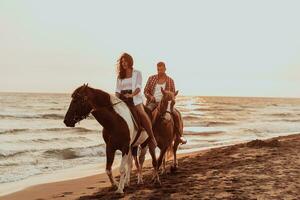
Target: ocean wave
(22, 130)
(217, 123)
(9, 164)
(291, 120)
(76, 129)
(6, 116)
(191, 118)
(203, 109)
(65, 154)
(282, 115)
(226, 109)
(198, 140)
(204, 123)
(33, 116)
(68, 139)
(251, 130)
(51, 116)
(15, 130)
(38, 116)
(72, 153)
(6, 154)
(56, 109)
(204, 133)
(283, 120)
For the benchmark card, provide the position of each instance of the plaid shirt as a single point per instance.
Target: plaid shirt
(152, 81)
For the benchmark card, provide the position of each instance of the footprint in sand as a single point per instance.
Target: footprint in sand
(67, 193)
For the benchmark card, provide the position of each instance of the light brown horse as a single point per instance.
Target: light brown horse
(119, 130)
(164, 131)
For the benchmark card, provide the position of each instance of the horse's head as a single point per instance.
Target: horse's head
(167, 103)
(79, 107)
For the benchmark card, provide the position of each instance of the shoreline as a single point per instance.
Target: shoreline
(60, 185)
(90, 185)
(58, 176)
(99, 168)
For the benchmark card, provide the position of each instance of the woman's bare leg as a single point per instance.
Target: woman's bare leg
(146, 124)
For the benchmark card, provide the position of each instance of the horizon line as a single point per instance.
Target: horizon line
(232, 96)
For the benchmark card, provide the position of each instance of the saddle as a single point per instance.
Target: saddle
(135, 116)
(137, 122)
(134, 113)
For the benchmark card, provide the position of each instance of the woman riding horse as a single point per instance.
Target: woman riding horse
(128, 88)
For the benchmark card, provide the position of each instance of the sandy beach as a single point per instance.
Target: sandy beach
(258, 169)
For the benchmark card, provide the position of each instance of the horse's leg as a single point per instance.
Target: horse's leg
(155, 177)
(161, 157)
(137, 165)
(174, 167)
(141, 162)
(122, 168)
(136, 161)
(164, 165)
(129, 168)
(110, 155)
(142, 156)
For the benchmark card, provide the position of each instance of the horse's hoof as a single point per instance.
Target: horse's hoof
(127, 184)
(159, 183)
(119, 191)
(153, 179)
(140, 182)
(163, 172)
(114, 187)
(156, 182)
(173, 169)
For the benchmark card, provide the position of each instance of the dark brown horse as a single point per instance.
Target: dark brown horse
(119, 130)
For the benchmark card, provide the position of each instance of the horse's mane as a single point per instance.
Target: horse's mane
(76, 91)
(100, 96)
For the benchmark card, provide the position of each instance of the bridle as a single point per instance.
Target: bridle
(84, 100)
(162, 114)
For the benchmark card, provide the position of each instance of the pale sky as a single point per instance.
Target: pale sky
(223, 48)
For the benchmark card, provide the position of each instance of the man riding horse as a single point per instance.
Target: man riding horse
(154, 95)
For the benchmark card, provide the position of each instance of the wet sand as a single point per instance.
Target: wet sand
(258, 169)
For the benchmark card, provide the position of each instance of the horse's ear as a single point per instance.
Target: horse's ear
(176, 92)
(85, 85)
(162, 91)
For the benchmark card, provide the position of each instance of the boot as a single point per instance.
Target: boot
(182, 140)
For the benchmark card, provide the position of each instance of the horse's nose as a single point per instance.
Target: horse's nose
(65, 122)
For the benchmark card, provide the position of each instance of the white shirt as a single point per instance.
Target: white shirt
(136, 82)
(126, 84)
(157, 91)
